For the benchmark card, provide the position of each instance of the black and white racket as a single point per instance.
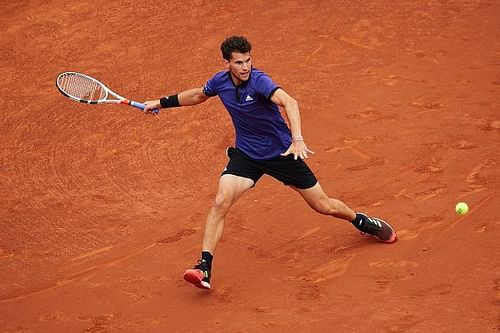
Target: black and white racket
(86, 89)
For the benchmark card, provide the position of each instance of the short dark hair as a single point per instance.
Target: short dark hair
(234, 44)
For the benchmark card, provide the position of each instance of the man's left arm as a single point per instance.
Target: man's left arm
(298, 147)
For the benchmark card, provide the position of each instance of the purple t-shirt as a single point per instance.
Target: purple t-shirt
(261, 131)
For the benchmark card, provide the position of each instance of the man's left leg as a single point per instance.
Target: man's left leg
(318, 200)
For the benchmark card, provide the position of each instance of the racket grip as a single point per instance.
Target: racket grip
(142, 106)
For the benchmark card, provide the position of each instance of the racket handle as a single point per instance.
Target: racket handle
(142, 106)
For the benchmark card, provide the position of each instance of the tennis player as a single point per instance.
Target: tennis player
(264, 145)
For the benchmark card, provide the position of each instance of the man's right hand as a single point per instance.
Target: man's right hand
(152, 107)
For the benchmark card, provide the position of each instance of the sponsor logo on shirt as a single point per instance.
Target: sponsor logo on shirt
(248, 98)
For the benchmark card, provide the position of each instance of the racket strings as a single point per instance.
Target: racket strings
(82, 87)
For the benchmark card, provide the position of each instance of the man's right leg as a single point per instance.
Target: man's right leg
(230, 189)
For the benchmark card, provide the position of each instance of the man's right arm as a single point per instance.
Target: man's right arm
(192, 97)
(188, 97)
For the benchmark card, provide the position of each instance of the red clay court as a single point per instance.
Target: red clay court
(102, 207)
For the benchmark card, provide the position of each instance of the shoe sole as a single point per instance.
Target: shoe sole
(195, 276)
(393, 237)
(390, 240)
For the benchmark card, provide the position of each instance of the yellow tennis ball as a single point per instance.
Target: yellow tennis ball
(461, 208)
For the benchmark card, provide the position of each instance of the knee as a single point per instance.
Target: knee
(221, 204)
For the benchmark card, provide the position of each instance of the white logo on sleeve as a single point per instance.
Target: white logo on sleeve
(248, 98)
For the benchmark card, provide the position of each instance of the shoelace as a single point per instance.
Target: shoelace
(202, 265)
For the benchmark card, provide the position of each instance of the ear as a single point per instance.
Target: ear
(226, 63)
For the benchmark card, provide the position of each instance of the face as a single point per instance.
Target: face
(239, 66)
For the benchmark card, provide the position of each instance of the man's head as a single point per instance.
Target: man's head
(236, 54)
(237, 44)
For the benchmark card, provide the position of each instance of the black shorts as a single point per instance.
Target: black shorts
(284, 168)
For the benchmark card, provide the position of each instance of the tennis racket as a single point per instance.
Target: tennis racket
(86, 89)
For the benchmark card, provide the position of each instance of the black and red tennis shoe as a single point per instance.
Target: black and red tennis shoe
(199, 275)
(375, 227)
